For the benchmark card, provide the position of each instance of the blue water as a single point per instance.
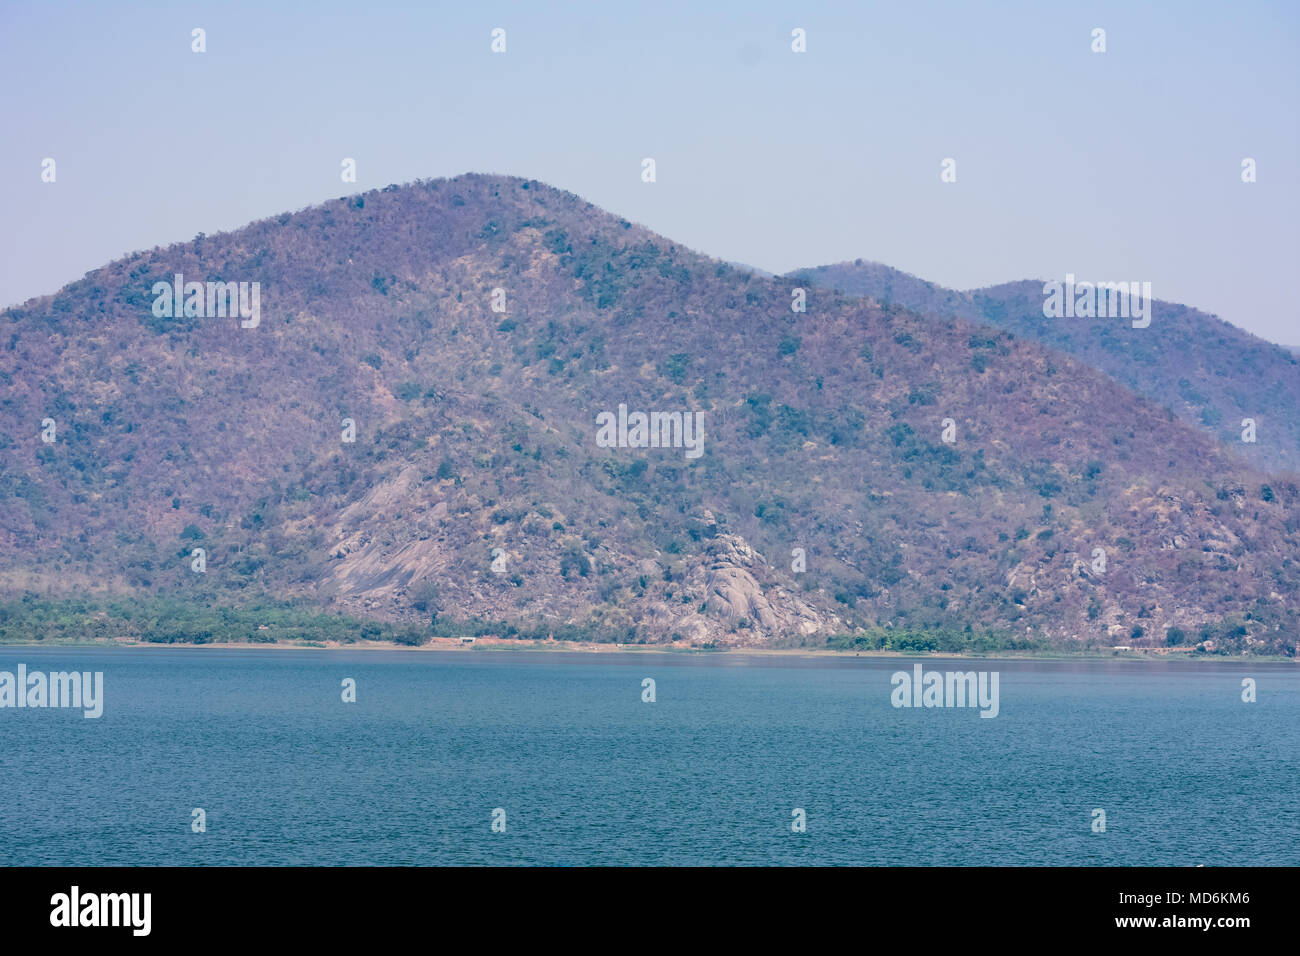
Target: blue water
(589, 774)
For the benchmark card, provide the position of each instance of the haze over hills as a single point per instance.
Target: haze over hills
(1208, 372)
(476, 490)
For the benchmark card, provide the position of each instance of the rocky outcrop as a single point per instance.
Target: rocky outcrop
(742, 600)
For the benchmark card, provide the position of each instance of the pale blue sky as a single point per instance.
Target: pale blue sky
(1123, 165)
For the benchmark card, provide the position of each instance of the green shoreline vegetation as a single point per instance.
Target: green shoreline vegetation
(33, 620)
(161, 620)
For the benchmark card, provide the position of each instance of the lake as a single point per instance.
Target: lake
(587, 772)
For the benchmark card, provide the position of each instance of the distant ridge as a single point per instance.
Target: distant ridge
(1207, 372)
(754, 269)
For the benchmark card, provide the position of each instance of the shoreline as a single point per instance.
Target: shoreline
(453, 645)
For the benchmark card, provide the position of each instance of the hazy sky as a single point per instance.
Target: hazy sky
(1117, 166)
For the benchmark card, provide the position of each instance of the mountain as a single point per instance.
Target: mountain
(1207, 372)
(479, 487)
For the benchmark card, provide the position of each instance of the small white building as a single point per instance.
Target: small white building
(468, 640)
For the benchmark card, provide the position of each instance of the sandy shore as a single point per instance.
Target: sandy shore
(452, 645)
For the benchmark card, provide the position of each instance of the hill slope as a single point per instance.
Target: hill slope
(1207, 372)
(475, 487)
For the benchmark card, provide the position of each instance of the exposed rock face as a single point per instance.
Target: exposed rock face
(728, 594)
(738, 592)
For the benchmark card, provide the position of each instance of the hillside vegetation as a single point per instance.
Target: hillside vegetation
(1210, 374)
(475, 489)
